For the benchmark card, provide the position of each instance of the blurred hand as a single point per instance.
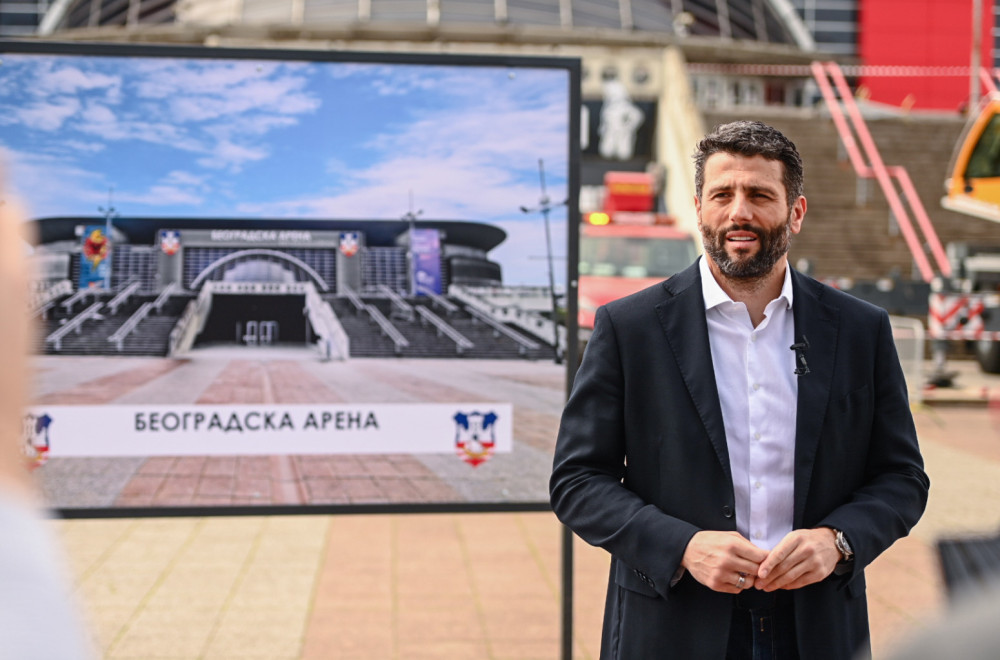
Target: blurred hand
(31, 569)
(803, 557)
(14, 342)
(718, 559)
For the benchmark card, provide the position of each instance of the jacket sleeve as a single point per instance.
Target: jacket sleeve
(586, 487)
(893, 490)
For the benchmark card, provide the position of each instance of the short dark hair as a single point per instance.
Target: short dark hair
(751, 138)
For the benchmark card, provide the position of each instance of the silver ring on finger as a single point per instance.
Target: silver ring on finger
(741, 581)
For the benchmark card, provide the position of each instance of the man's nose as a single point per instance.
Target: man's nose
(740, 208)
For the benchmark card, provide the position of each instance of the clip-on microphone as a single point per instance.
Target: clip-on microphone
(800, 356)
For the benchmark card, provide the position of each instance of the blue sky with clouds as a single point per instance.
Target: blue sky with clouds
(291, 139)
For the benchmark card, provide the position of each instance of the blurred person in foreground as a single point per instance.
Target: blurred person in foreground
(967, 630)
(739, 437)
(38, 618)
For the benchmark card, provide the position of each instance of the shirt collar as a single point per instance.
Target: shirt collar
(715, 296)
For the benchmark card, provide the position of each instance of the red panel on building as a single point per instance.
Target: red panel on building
(921, 33)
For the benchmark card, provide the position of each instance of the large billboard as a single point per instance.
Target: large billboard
(281, 278)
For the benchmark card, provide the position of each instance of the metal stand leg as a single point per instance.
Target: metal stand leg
(940, 377)
(567, 594)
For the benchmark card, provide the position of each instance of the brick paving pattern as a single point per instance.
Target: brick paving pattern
(535, 389)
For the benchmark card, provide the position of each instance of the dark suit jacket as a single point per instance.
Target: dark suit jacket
(641, 464)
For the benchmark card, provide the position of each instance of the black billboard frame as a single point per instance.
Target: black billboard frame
(572, 356)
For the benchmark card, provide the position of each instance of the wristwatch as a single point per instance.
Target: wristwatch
(846, 553)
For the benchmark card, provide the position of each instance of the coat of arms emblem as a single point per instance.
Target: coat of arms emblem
(475, 436)
(170, 242)
(349, 243)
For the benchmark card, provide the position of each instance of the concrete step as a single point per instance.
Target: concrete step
(841, 238)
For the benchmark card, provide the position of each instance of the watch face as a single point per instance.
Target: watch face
(844, 546)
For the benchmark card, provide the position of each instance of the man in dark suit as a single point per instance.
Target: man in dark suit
(741, 487)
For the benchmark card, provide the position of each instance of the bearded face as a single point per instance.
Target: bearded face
(745, 217)
(745, 264)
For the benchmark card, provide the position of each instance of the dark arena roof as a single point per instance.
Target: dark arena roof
(142, 230)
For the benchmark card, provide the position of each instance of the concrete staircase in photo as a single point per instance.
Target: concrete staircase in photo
(424, 341)
(149, 337)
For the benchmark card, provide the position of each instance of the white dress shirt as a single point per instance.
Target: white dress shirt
(758, 390)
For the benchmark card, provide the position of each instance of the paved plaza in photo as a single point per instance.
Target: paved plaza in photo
(241, 375)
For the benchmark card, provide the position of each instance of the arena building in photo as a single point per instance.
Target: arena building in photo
(351, 288)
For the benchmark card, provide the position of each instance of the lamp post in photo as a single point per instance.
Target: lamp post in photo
(545, 205)
(411, 258)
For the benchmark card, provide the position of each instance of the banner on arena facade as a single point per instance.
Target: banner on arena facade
(95, 257)
(426, 260)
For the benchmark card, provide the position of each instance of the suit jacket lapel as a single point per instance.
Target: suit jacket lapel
(817, 322)
(682, 316)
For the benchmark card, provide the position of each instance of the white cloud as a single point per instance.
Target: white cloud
(459, 164)
(338, 168)
(200, 91)
(258, 125)
(62, 79)
(48, 116)
(83, 147)
(395, 85)
(230, 156)
(220, 109)
(182, 178)
(175, 188)
(97, 114)
(505, 138)
(34, 176)
(455, 189)
(105, 125)
(162, 195)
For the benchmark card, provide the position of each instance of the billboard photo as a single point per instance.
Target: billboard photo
(293, 279)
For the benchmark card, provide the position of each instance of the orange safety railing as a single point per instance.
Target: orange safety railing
(988, 78)
(824, 73)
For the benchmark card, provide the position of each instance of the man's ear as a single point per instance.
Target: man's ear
(797, 214)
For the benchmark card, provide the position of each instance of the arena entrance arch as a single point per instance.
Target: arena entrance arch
(268, 310)
(255, 254)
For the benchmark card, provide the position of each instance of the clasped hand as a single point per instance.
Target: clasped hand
(719, 560)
